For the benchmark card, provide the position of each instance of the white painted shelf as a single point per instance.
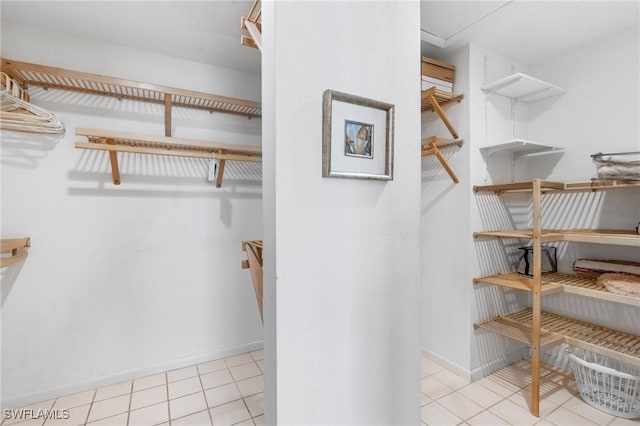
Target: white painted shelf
(518, 148)
(523, 88)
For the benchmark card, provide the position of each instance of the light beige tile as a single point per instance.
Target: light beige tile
(186, 405)
(480, 395)
(513, 378)
(211, 366)
(216, 378)
(460, 405)
(251, 386)
(486, 418)
(147, 397)
(451, 379)
(75, 400)
(222, 395)
(119, 420)
(113, 391)
(245, 371)
(20, 414)
(184, 387)
(109, 407)
(229, 414)
(76, 416)
(513, 413)
(435, 414)
(247, 422)
(236, 360)
(434, 388)
(555, 393)
(523, 399)
(181, 374)
(197, 419)
(255, 403)
(149, 382)
(430, 367)
(496, 387)
(564, 417)
(619, 421)
(581, 408)
(152, 415)
(260, 364)
(259, 421)
(424, 399)
(30, 422)
(257, 355)
(544, 423)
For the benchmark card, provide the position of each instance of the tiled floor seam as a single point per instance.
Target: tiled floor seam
(93, 399)
(166, 380)
(204, 395)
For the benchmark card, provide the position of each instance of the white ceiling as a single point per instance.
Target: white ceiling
(209, 31)
(525, 31)
(202, 31)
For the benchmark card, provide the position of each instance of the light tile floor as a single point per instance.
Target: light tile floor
(230, 391)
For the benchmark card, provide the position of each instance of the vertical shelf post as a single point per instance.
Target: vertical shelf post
(167, 114)
(536, 298)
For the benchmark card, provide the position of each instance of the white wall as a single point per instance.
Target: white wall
(130, 280)
(446, 234)
(347, 251)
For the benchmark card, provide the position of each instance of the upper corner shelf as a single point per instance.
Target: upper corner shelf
(517, 148)
(432, 98)
(523, 87)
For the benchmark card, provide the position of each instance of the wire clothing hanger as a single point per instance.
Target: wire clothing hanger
(16, 113)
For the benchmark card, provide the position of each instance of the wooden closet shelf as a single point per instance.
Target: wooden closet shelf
(610, 236)
(558, 329)
(426, 145)
(57, 78)
(442, 98)
(556, 282)
(15, 246)
(115, 142)
(547, 186)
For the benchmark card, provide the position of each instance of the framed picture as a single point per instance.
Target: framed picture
(357, 137)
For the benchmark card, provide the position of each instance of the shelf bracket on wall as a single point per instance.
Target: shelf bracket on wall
(432, 145)
(251, 24)
(253, 249)
(17, 247)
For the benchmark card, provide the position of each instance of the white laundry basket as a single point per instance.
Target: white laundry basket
(609, 385)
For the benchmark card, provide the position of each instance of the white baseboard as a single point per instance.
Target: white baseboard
(461, 371)
(499, 363)
(109, 379)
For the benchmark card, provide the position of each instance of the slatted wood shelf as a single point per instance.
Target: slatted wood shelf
(17, 248)
(426, 145)
(557, 282)
(556, 328)
(610, 236)
(519, 282)
(115, 142)
(550, 187)
(58, 78)
(442, 98)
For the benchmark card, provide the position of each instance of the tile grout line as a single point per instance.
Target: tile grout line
(166, 381)
(130, 399)
(93, 398)
(204, 395)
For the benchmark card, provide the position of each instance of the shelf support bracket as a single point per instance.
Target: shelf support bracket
(220, 173)
(113, 158)
(438, 109)
(167, 114)
(444, 163)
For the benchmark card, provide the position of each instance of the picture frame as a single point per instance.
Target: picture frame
(357, 137)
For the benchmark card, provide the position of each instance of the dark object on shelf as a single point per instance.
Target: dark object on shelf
(548, 256)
